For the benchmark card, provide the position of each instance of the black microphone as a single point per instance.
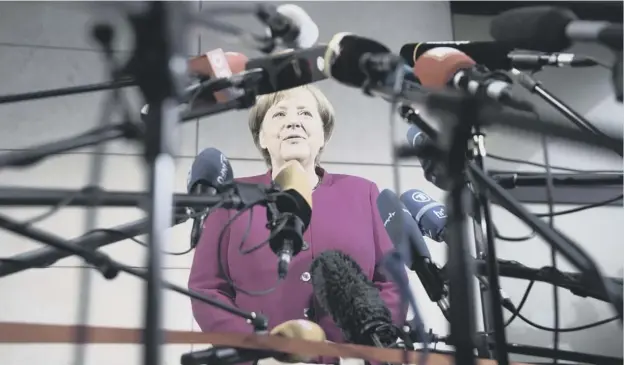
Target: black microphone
(209, 173)
(407, 239)
(365, 63)
(492, 55)
(289, 24)
(290, 214)
(551, 29)
(288, 69)
(352, 300)
(498, 55)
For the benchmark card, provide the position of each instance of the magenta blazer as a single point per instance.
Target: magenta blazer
(344, 218)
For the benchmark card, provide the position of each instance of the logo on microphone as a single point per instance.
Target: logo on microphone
(420, 197)
(390, 216)
(441, 213)
(223, 171)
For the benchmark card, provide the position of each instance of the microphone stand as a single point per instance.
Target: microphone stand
(93, 137)
(460, 262)
(535, 87)
(42, 94)
(491, 305)
(110, 268)
(157, 66)
(565, 246)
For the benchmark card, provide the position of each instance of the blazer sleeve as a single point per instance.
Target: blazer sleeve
(207, 279)
(388, 290)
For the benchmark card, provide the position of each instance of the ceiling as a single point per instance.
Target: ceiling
(587, 10)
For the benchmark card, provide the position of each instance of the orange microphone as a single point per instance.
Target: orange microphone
(441, 67)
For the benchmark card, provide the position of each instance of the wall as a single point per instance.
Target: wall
(589, 92)
(48, 45)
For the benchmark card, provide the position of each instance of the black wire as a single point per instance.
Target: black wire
(65, 202)
(513, 239)
(220, 244)
(525, 296)
(529, 163)
(559, 213)
(580, 209)
(553, 252)
(598, 62)
(569, 329)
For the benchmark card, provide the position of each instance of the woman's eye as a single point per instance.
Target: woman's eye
(307, 113)
(278, 114)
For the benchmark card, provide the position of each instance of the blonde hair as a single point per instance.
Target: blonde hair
(265, 102)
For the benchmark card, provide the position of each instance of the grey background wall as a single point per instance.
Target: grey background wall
(47, 45)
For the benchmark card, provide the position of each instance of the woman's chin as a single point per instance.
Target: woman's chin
(299, 154)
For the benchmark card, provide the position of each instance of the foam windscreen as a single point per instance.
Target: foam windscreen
(436, 67)
(299, 329)
(538, 28)
(343, 55)
(293, 179)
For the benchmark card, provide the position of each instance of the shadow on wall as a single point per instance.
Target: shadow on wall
(605, 340)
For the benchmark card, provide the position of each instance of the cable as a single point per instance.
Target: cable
(52, 211)
(529, 163)
(580, 209)
(224, 230)
(570, 329)
(553, 254)
(599, 62)
(513, 239)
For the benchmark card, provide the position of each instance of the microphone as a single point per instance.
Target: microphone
(209, 173)
(492, 55)
(289, 24)
(301, 329)
(430, 214)
(290, 215)
(289, 69)
(442, 66)
(297, 329)
(213, 64)
(435, 171)
(431, 217)
(408, 240)
(364, 63)
(498, 55)
(551, 29)
(352, 300)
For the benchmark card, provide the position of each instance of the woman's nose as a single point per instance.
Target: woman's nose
(293, 125)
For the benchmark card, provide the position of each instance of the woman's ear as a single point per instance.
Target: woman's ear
(262, 139)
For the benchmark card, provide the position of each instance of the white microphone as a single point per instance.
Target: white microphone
(290, 25)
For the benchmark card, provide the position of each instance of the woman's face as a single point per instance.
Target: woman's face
(292, 129)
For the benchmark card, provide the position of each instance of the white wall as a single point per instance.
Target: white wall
(47, 45)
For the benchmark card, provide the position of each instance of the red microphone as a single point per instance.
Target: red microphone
(219, 64)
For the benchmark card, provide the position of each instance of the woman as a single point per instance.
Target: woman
(295, 124)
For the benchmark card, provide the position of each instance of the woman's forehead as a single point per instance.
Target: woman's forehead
(299, 96)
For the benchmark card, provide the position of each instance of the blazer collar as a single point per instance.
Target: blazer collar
(326, 177)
